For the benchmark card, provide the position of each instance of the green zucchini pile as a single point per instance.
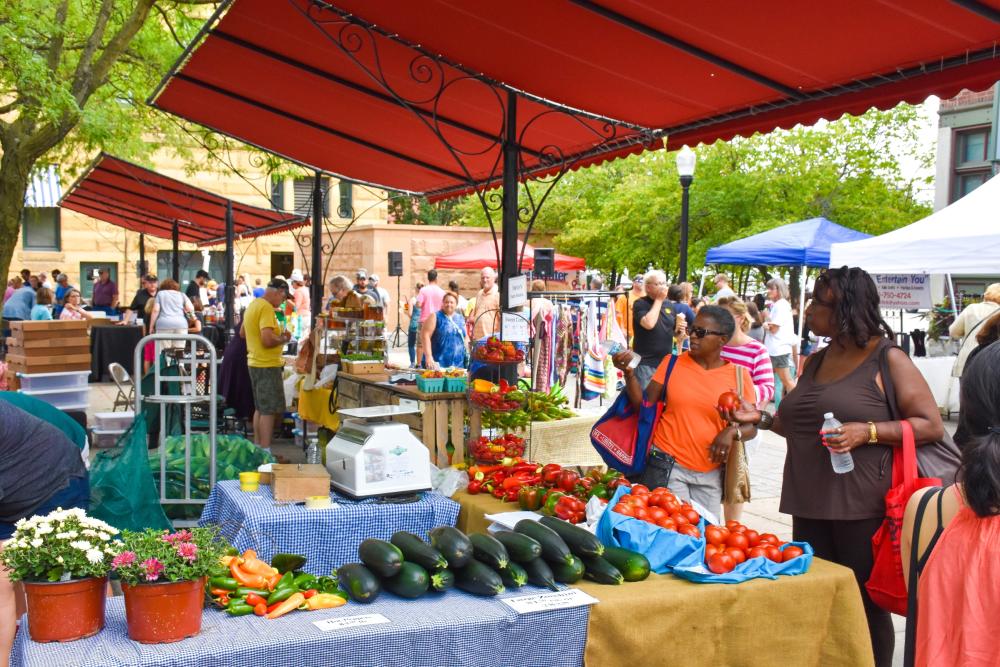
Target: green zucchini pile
(543, 553)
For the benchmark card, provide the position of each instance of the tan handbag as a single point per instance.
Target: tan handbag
(736, 487)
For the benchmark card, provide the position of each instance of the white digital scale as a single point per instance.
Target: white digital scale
(371, 455)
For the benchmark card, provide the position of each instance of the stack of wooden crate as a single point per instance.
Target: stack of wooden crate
(48, 346)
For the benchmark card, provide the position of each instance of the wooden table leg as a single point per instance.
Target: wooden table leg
(475, 423)
(429, 431)
(458, 430)
(441, 428)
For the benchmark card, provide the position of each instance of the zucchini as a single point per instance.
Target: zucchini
(540, 574)
(513, 575)
(442, 580)
(632, 564)
(599, 570)
(489, 550)
(383, 558)
(553, 546)
(410, 582)
(287, 562)
(580, 541)
(359, 582)
(479, 579)
(417, 551)
(453, 544)
(520, 548)
(567, 573)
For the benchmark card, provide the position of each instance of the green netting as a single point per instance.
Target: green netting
(122, 491)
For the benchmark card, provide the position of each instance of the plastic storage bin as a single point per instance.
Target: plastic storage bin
(71, 399)
(102, 439)
(113, 421)
(33, 382)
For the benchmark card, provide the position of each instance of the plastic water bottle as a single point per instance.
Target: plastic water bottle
(842, 462)
(612, 347)
(312, 452)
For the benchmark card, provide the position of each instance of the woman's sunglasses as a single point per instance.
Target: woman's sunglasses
(700, 332)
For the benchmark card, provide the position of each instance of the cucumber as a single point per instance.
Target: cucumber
(489, 550)
(479, 579)
(580, 541)
(513, 575)
(359, 582)
(381, 557)
(520, 548)
(632, 564)
(442, 580)
(599, 570)
(553, 546)
(410, 582)
(540, 574)
(453, 544)
(417, 551)
(567, 573)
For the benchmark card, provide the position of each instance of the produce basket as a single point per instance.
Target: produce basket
(430, 385)
(488, 451)
(456, 383)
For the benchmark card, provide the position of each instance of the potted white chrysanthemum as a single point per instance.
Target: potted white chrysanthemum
(63, 560)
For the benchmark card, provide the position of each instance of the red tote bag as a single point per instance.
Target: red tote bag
(885, 585)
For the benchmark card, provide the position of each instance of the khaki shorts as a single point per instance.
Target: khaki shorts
(268, 390)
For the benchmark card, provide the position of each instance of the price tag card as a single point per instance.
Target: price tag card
(529, 604)
(514, 328)
(328, 624)
(517, 291)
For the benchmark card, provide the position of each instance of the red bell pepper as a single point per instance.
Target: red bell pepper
(550, 500)
(550, 473)
(529, 498)
(567, 480)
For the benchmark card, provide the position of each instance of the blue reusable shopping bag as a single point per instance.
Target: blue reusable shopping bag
(753, 568)
(621, 436)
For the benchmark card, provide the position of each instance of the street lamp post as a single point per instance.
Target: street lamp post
(685, 169)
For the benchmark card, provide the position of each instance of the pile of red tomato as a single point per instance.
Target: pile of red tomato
(660, 507)
(733, 544)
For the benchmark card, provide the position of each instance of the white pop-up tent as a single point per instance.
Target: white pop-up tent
(961, 238)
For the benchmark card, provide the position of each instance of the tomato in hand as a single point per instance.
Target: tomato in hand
(738, 541)
(721, 563)
(790, 552)
(738, 555)
(716, 535)
(729, 401)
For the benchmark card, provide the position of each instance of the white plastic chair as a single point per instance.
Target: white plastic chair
(125, 384)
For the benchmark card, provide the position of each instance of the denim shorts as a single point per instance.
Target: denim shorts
(782, 361)
(77, 494)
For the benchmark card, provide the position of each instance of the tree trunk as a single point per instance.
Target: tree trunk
(14, 179)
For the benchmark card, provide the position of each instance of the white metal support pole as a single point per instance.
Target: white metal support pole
(701, 285)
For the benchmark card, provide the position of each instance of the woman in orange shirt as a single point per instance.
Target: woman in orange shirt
(691, 441)
(958, 545)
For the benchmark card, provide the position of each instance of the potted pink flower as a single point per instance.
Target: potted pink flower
(163, 578)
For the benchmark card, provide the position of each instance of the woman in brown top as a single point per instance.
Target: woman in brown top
(839, 513)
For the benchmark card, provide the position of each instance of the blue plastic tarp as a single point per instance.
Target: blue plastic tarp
(805, 243)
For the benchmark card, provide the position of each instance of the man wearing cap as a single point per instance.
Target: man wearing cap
(364, 289)
(265, 341)
(722, 289)
(383, 294)
(137, 308)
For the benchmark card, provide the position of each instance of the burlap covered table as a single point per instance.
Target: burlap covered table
(812, 619)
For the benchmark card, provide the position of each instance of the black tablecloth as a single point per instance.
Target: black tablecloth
(109, 344)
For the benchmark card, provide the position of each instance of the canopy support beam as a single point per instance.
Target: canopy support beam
(508, 227)
(228, 320)
(175, 259)
(317, 249)
(143, 269)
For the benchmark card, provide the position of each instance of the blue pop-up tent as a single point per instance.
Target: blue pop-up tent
(805, 243)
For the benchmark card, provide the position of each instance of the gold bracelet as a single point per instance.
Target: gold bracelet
(872, 434)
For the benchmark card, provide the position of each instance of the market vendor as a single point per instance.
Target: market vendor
(444, 336)
(344, 296)
(690, 442)
(40, 470)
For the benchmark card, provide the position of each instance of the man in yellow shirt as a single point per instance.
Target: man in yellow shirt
(265, 341)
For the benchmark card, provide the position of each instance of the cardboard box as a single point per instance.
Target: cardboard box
(364, 367)
(296, 482)
(56, 344)
(38, 326)
(74, 350)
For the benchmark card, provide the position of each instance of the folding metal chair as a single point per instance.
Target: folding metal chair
(125, 384)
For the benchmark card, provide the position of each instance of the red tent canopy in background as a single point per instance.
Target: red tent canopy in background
(483, 254)
(693, 72)
(144, 201)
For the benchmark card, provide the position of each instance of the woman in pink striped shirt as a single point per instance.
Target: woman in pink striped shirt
(745, 351)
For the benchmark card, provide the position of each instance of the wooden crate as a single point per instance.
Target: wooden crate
(40, 329)
(364, 367)
(32, 369)
(54, 344)
(296, 482)
(76, 348)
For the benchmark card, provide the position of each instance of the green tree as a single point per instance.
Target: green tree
(404, 210)
(74, 76)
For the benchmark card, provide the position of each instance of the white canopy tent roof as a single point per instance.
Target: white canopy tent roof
(961, 238)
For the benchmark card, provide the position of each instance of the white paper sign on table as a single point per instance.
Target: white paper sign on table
(514, 328)
(509, 519)
(529, 604)
(328, 624)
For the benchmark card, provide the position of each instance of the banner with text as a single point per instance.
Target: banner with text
(906, 291)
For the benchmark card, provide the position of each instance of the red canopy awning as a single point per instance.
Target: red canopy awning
(315, 91)
(136, 198)
(481, 255)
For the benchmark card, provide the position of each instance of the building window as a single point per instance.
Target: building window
(972, 166)
(304, 195)
(277, 193)
(345, 209)
(40, 228)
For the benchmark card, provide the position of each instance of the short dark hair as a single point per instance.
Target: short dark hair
(453, 285)
(979, 432)
(432, 275)
(722, 317)
(149, 278)
(278, 283)
(855, 304)
(202, 273)
(675, 292)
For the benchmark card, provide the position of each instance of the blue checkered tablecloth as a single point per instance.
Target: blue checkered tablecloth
(437, 630)
(328, 538)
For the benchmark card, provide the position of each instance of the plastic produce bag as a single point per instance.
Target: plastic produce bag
(122, 492)
(447, 481)
(664, 548)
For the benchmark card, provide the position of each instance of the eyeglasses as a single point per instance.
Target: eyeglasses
(701, 332)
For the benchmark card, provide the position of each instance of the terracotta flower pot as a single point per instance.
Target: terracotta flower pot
(62, 611)
(163, 612)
